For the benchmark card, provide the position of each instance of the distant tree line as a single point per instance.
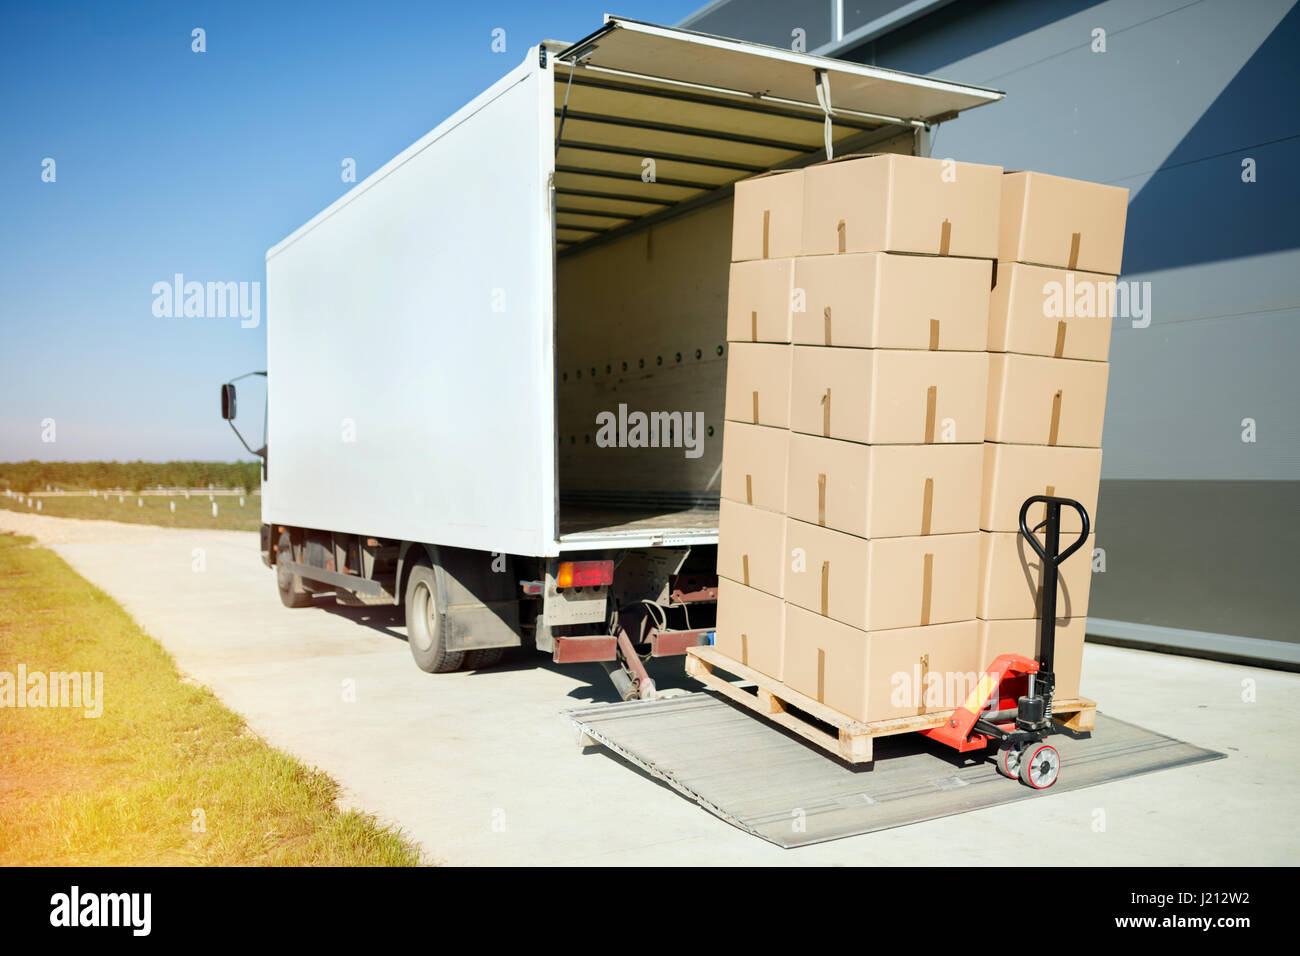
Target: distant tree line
(28, 476)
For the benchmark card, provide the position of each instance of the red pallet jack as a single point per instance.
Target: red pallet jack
(1011, 705)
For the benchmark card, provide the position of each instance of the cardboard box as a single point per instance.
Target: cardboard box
(1011, 577)
(751, 627)
(767, 216)
(754, 464)
(882, 583)
(889, 396)
(759, 299)
(758, 384)
(879, 300)
(1013, 473)
(1039, 311)
(1063, 223)
(1035, 400)
(751, 546)
(879, 675)
(1025, 638)
(883, 491)
(895, 203)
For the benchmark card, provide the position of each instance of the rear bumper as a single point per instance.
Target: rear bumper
(585, 648)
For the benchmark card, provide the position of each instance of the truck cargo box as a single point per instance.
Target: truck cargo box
(512, 336)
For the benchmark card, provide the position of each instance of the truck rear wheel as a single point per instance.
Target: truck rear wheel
(484, 658)
(293, 593)
(424, 624)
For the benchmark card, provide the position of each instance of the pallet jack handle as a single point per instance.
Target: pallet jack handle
(1051, 554)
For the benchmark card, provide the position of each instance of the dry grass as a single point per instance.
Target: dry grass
(192, 512)
(123, 788)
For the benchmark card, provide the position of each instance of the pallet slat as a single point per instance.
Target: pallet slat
(852, 741)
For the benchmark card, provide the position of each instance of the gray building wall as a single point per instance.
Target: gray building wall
(1194, 521)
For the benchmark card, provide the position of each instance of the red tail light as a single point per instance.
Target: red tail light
(584, 574)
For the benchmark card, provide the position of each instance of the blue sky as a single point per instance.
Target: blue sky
(170, 161)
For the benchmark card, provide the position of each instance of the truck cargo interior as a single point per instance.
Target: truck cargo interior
(653, 127)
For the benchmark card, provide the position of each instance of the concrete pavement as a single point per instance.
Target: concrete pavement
(479, 768)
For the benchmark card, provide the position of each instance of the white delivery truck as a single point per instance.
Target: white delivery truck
(459, 348)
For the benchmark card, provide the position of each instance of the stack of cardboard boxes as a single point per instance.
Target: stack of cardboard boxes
(887, 415)
(853, 451)
(1059, 248)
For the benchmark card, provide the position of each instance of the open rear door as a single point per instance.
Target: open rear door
(710, 111)
(769, 74)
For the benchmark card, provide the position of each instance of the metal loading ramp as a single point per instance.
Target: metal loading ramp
(763, 779)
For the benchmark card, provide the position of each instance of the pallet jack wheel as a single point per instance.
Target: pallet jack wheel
(1039, 766)
(1008, 761)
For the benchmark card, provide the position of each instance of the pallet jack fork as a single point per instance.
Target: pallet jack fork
(1011, 705)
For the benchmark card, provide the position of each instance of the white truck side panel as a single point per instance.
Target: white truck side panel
(410, 340)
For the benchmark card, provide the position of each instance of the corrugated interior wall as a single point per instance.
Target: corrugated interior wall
(641, 322)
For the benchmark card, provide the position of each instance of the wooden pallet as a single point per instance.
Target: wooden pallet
(828, 728)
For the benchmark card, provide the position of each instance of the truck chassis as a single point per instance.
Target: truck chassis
(463, 608)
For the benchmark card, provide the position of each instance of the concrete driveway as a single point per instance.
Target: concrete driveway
(479, 768)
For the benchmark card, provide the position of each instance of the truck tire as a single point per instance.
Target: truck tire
(424, 624)
(483, 658)
(293, 593)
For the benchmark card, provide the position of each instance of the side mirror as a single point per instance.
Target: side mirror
(228, 402)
